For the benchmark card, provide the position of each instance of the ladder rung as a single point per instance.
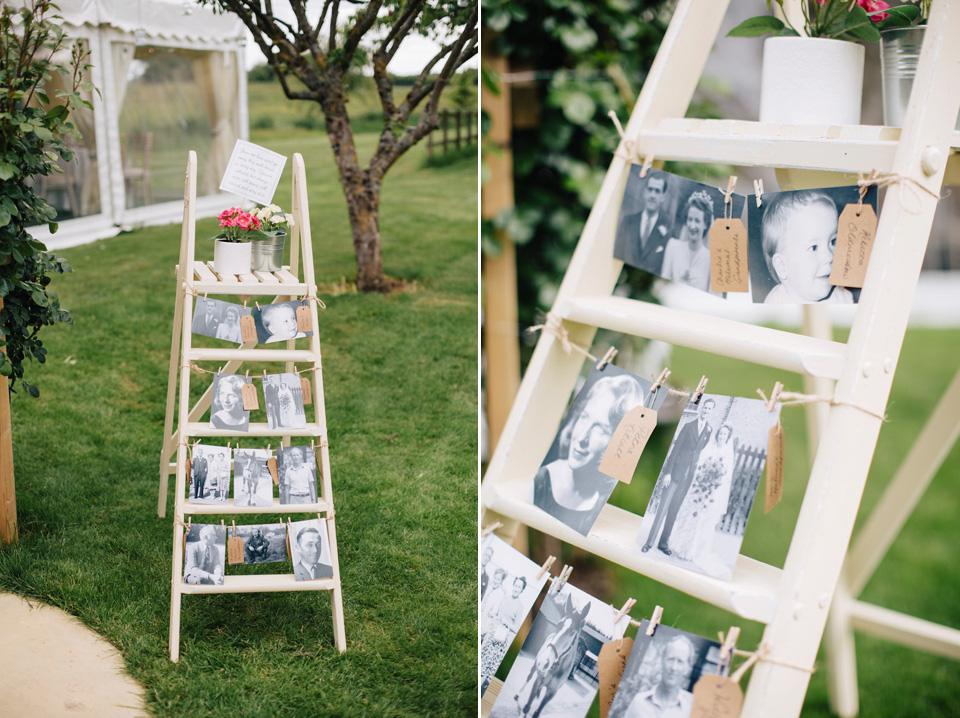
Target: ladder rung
(751, 593)
(301, 356)
(277, 508)
(905, 630)
(256, 430)
(263, 582)
(760, 345)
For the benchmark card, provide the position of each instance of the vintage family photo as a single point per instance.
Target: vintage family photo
(555, 674)
(204, 557)
(210, 474)
(310, 550)
(264, 543)
(665, 222)
(218, 319)
(661, 671)
(509, 586)
(792, 237)
(283, 398)
(277, 322)
(297, 470)
(569, 485)
(698, 513)
(252, 482)
(226, 409)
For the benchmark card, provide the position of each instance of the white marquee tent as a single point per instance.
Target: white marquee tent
(171, 78)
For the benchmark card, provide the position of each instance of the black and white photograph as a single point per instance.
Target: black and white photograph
(210, 474)
(698, 513)
(569, 485)
(283, 398)
(310, 550)
(665, 222)
(792, 237)
(661, 672)
(297, 472)
(262, 543)
(555, 675)
(218, 319)
(277, 322)
(226, 409)
(252, 482)
(204, 558)
(509, 586)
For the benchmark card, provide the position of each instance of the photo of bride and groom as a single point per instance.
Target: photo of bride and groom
(699, 508)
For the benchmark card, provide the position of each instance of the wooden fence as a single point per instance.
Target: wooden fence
(746, 476)
(458, 128)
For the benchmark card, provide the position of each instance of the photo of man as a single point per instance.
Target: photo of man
(310, 550)
(643, 231)
(206, 546)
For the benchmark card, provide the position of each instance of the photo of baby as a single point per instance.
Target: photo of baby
(792, 238)
(277, 322)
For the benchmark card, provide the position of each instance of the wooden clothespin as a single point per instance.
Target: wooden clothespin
(658, 382)
(728, 197)
(607, 358)
(234, 522)
(758, 189)
(772, 403)
(228, 445)
(655, 620)
(264, 376)
(546, 566)
(223, 524)
(487, 530)
(562, 578)
(319, 517)
(624, 610)
(647, 163)
(698, 392)
(729, 643)
(268, 446)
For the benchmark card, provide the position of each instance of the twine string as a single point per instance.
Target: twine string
(790, 398)
(902, 182)
(554, 325)
(628, 145)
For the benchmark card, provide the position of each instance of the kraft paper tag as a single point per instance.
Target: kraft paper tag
(304, 323)
(623, 452)
(728, 256)
(610, 663)
(189, 469)
(775, 445)
(716, 697)
(855, 233)
(318, 461)
(234, 550)
(287, 534)
(272, 465)
(248, 328)
(249, 394)
(305, 391)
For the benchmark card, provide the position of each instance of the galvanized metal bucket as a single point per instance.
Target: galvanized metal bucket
(899, 56)
(267, 254)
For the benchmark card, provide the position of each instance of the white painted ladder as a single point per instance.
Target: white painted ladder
(794, 601)
(198, 278)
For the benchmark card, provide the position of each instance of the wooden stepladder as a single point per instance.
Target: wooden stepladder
(793, 601)
(288, 283)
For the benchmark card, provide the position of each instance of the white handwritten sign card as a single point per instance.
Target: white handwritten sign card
(253, 172)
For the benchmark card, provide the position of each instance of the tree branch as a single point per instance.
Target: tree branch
(400, 29)
(364, 22)
(332, 43)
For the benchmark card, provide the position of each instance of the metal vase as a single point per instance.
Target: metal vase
(899, 56)
(267, 254)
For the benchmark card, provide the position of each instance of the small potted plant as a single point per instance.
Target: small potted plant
(267, 252)
(231, 252)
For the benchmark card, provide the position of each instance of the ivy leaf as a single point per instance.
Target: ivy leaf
(757, 26)
(4, 217)
(7, 171)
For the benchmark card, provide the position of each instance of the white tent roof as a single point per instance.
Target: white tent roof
(183, 21)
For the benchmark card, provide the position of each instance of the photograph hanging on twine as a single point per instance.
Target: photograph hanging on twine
(792, 238)
(252, 483)
(665, 222)
(226, 408)
(209, 474)
(555, 673)
(698, 512)
(262, 543)
(310, 550)
(569, 484)
(661, 672)
(283, 396)
(205, 551)
(509, 586)
(277, 322)
(218, 319)
(297, 470)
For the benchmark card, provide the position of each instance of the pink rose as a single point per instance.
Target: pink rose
(226, 222)
(875, 6)
(243, 220)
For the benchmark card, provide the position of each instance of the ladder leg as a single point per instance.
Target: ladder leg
(842, 657)
(175, 595)
(336, 595)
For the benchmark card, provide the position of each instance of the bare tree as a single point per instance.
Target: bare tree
(320, 53)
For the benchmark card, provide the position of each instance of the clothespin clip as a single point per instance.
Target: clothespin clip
(247, 375)
(268, 446)
(658, 382)
(562, 578)
(204, 296)
(729, 643)
(758, 189)
(624, 610)
(257, 304)
(281, 446)
(728, 197)
(772, 403)
(223, 524)
(607, 358)
(234, 522)
(228, 445)
(491, 528)
(264, 376)
(698, 392)
(313, 447)
(655, 620)
(647, 162)
(546, 566)
(319, 517)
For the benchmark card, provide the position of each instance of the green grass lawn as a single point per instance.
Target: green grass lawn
(400, 376)
(920, 576)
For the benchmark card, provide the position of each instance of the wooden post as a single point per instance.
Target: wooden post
(459, 112)
(446, 122)
(8, 497)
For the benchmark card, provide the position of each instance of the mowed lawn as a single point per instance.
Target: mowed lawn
(400, 379)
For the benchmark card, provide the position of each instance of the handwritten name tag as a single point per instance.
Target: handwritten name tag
(623, 452)
(855, 234)
(728, 256)
(716, 697)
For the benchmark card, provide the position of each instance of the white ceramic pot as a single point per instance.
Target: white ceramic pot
(231, 257)
(811, 81)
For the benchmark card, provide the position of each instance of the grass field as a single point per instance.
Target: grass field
(401, 395)
(920, 576)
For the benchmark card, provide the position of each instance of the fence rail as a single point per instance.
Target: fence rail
(458, 128)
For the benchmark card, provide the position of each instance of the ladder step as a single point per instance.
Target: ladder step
(206, 281)
(263, 582)
(844, 148)
(760, 345)
(300, 356)
(195, 429)
(905, 630)
(277, 508)
(751, 593)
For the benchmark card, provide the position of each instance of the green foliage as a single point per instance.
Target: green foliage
(836, 19)
(33, 128)
(261, 73)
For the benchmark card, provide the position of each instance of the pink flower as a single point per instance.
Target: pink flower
(243, 220)
(227, 221)
(874, 6)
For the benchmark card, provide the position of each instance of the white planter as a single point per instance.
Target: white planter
(231, 257)
(811, 81)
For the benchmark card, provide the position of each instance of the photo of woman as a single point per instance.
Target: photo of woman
(227, 410)
(229, 328)
(687, 257)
